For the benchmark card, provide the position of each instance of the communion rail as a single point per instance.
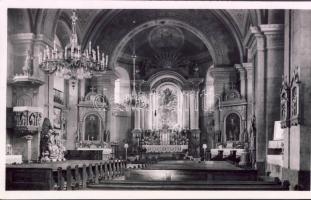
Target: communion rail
(67, 175)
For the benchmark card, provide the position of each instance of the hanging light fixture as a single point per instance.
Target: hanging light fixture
(73, 63)
(135, 100)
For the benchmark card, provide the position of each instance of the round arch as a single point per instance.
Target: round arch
(120, 46)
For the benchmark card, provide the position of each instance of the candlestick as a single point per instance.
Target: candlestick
(106, 60)
(54, 45)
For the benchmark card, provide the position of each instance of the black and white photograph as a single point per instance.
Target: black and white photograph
(141, 97)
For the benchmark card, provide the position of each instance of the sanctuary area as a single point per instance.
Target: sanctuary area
(158, 99)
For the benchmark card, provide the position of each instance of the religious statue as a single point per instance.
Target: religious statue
(51, 147)
(27, 64)
(252, 145)
(106, 136)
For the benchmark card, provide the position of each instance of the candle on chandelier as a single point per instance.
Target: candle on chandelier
(79, 51)
(106, 60)
(90, 47)
(71, 51)
(87, 54)
(103, 60)
(44, 54)
(98, 55)
(94, 54)
(47, 52)
(54, 45)
(65, 52)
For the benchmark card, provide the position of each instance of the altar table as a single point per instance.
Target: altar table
(165, 148)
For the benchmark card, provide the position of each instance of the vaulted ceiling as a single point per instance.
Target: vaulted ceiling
(166, 38)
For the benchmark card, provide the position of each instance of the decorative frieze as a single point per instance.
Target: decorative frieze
(27, 120)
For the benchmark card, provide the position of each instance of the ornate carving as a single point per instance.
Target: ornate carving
(295, 98)
(232, 94)
(27, 119)
(285, 104)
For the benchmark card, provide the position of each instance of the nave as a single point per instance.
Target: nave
(159, 99)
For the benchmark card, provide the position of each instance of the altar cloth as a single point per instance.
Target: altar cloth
(165, 148)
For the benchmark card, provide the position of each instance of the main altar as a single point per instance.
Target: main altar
(169, 125)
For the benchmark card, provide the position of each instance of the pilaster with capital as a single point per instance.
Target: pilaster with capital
(274, 34)
(249, 90)
(260, 98)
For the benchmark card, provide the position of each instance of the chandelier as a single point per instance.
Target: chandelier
(73, 63)
(135, 100)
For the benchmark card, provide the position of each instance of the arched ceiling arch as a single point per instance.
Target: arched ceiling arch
(113, 30)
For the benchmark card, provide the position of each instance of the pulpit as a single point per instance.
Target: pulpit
(27, 121)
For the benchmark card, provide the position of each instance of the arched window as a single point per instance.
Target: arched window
(92, 127)
(233, 127)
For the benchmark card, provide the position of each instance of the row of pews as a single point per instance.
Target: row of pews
(67, 175)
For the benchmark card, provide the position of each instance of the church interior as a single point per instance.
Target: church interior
(165, 99)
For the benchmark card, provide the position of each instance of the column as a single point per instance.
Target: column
(196, 110)
(142, 118)
(186, 110)
(137, 119)
(151, 108)
(274, 34)
(82, 88)
(29, 147)
(249, 90)
(260, 95)
(191, 110)
(105, 84)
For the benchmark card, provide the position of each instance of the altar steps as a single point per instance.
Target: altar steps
(186, 185)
